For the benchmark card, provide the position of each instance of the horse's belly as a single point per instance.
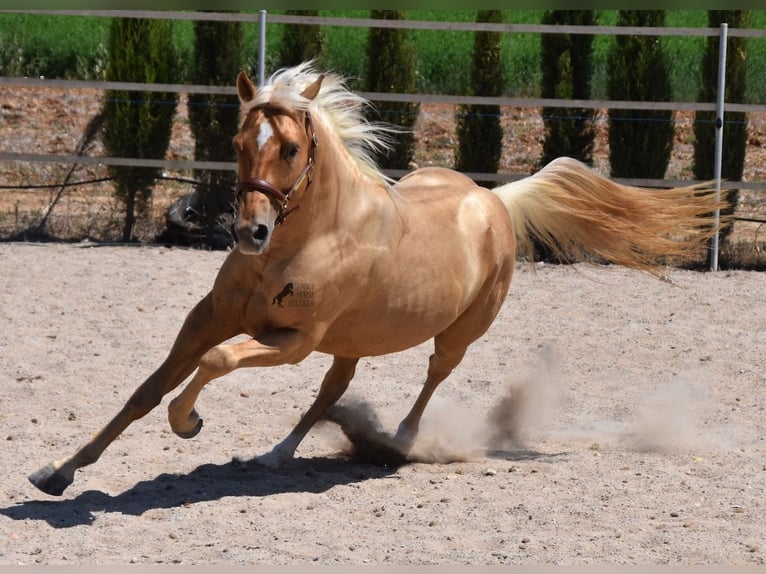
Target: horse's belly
(391, 332)
(399, 319)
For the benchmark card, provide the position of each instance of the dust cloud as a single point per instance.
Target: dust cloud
(665, 421)
(525, 413)
(662, 422)
(454, 433)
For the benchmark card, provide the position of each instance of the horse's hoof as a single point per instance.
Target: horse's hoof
(404, 440)
(273, 459)
(269, 460)
(253, 463)
(241, 463)
(191, 433)
(50, 480)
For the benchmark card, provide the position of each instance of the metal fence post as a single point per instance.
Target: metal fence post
(719, 139)
(261, 48)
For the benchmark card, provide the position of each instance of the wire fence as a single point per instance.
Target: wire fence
(184, 165)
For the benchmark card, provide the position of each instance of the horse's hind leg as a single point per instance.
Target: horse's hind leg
(335, 383)
(440, 365)
(197, 335)
(450, 346)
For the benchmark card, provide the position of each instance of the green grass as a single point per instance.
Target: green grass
(53, 46)
(74, 47)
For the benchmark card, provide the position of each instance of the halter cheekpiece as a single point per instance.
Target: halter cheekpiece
(282, 198)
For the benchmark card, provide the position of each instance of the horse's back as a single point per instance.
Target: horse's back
(434, 177)
(447, 197)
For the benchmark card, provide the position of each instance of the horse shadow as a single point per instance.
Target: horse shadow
(208, 482)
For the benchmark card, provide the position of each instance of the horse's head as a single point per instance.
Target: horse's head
(275, 152)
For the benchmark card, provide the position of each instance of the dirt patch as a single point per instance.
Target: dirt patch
(636, 433)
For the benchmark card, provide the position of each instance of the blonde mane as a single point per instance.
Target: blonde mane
(336, 106)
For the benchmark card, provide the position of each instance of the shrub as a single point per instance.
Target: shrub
(214, 122)
(301, 42)
(479, 132)
(391, 68)
(640, 142)
(138, 124)
(37, 45)
(567, 66)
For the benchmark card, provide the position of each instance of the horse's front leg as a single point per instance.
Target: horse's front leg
(277, 347)
(200, 331)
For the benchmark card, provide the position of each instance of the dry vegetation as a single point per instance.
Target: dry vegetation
(53, 121)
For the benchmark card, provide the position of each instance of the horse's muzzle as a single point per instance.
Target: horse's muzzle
(253, 239)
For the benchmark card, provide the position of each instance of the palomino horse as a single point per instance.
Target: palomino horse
(334, 257)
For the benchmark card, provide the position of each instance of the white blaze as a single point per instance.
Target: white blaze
(264, 134)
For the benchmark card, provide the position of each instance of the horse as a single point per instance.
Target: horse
(378, 266)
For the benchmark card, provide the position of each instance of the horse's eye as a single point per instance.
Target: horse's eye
(291, 151)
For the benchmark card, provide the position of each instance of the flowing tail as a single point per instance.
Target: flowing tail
(580, 215)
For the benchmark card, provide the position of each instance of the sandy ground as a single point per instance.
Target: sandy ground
(644, 431)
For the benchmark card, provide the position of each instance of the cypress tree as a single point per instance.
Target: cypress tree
(640, 141)
(301, 42)
(138, 124)
(734, 123)
(479, 132)
(214, 120)
(567, 66)
(391, 68)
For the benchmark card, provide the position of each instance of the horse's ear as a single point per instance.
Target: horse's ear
(245, 88)
(311, 92)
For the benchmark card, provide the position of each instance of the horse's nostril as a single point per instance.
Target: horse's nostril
(261, 232)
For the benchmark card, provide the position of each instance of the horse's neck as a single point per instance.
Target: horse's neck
(339, 187)
(329, 204)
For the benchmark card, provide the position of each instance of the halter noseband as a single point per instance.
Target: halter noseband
(282, 198)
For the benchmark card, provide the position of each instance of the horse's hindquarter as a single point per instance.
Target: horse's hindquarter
(455, 224)
(445, 242)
